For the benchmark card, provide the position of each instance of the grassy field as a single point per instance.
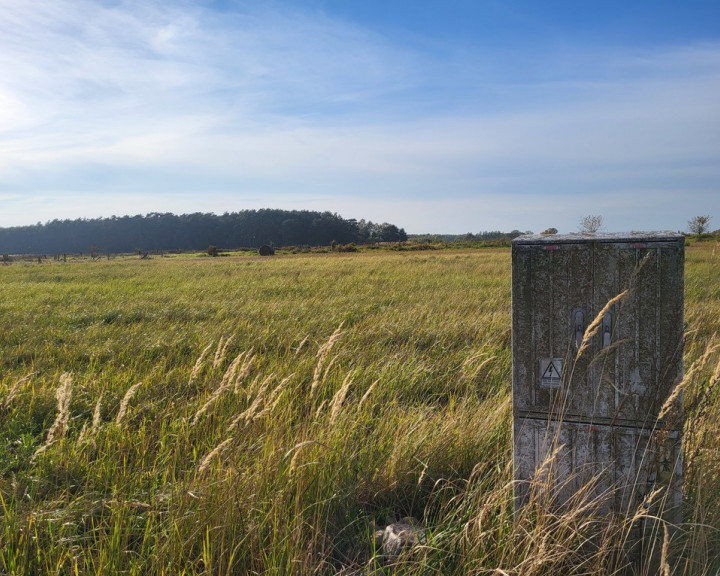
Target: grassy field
(195, 415)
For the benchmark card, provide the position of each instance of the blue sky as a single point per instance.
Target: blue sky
(446, 117)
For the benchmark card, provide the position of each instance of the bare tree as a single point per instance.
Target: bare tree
(699, 225)
(591, 224)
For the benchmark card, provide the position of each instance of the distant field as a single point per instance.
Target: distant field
(196, 415)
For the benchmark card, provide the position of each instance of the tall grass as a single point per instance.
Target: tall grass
(343, 391)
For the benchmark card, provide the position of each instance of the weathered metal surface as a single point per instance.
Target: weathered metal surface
(597, 397)
(619, 465)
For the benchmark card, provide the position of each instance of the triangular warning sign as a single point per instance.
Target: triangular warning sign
(551, 372)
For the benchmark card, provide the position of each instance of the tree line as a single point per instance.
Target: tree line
(166, 231)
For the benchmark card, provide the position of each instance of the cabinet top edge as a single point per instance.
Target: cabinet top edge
(662, 236)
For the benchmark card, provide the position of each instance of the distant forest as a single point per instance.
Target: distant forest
(165, 231)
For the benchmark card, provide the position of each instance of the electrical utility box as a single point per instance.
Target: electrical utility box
(597, 342)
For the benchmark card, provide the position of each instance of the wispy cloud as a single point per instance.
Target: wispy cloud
(128, 80)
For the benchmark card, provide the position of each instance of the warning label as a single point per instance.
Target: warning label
(551, 372)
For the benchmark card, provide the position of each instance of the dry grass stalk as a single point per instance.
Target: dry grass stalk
(221, 351)
(422, 474)
(125, 401)
(322, 355)
(95, 421)
(320, 409)
(643, 508)
(669, 404)
(96, 414)
(60, 425)
(339, 397)
(701, 362)
(205, 464)
(697, 366)
(467, 364)
(716, 375)
(367, 394)
(699, 437)
(248, 414)
(664, 565)
(295, 451)
(199, 364)
(543, 476)
(63, 395)
(15, 390)
(273, 399)
(300, 346)
(244, 370)
(229, 380)
(83, 433)
(216, 360)
(275, 395)
(252, 389)
(597, 322)
(483, 364)
(327, 370)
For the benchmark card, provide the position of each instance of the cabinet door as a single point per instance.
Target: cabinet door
(634, 372)
(552, 291)
(631, 364)
(615, 467)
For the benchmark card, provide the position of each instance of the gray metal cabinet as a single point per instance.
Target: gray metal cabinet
(598, 407)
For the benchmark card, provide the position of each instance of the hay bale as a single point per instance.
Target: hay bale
(267, 250)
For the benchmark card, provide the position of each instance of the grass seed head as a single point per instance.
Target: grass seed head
(205, 464)
(339, 397)
(60, 425)
(125, 402)
(244, 370)
(97, 414)
(218, 352)
(252, 410)
(230, 379)
(15, 390)
(368, 392)
(322, 355)
(199, 364)
(221, 352)
(594, 326)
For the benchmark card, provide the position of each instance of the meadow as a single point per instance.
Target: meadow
(246, 415)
